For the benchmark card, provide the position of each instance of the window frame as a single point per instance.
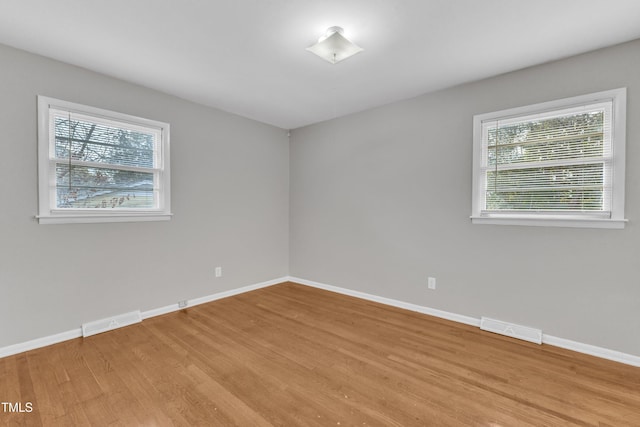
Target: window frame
(617, 98)
(49, 214)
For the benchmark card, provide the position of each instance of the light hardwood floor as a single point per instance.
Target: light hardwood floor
(290, 355)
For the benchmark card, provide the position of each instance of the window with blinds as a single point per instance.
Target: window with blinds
(101, 166)
(558, 163)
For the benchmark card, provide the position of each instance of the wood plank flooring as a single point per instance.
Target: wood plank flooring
(290, 355)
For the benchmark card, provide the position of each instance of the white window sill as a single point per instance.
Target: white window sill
(556, 221)
(97, 218)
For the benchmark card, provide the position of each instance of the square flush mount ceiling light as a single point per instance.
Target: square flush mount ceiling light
(334, 47)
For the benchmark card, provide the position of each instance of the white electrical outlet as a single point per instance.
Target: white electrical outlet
(431, 282)
(218, 271)
(182, 304)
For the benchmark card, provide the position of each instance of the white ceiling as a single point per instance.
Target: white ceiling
(248, 56)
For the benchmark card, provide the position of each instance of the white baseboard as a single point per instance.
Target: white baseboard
(392, 302)
(40, 342)
(592, 350)
(77, 333)
(589, 349)
(209, 298)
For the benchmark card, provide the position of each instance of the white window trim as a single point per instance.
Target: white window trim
(47, 214)
(617, 220)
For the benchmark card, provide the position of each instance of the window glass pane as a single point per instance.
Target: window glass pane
(83, 187)
(573, 136)
(546, 200)
(87, 141)
(578, 187)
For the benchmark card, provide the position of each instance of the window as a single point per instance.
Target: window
(100, 166)
(559, 163)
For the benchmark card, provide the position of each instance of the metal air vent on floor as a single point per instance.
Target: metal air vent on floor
(511, 330)
(110, 323)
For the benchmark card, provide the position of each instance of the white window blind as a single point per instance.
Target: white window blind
(100, 166)
(550, 161)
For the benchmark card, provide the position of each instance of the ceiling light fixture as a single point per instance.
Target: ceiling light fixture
(334, 47)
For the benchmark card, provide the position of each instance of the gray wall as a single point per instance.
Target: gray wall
(381, 199)
(230, 189)
(378, 201)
